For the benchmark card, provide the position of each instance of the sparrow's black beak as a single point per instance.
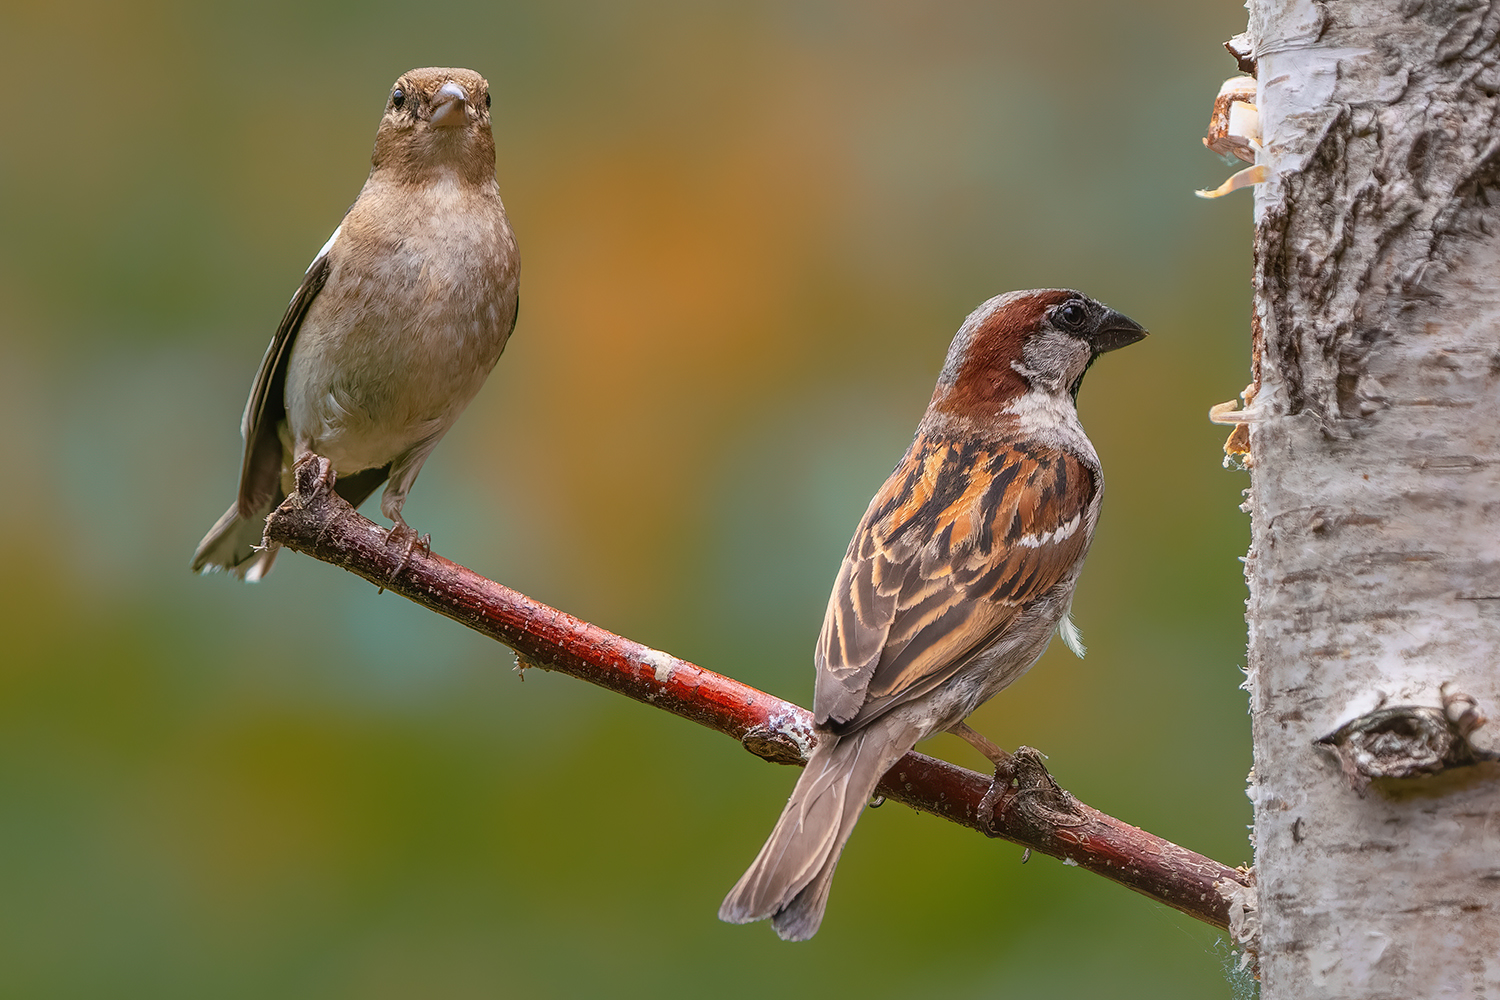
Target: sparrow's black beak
(1115, 330)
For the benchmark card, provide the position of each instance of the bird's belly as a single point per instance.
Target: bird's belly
(997, 667)
(367, 383)
(353, 445)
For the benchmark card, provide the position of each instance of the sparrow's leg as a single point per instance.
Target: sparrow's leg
(403, 474)
(995, 755)
(1004, 769)
(404, 471)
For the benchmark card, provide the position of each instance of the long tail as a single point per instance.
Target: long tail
(789, 880)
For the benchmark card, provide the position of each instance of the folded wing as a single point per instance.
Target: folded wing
(260, 476)
(957, 541)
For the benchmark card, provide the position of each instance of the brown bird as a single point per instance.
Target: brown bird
(397, 323)
(957, 578)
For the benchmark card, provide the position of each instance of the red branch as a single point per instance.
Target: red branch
(1033, 812)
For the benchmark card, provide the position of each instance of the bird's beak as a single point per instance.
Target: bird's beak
(1115, 330)
(448, 105)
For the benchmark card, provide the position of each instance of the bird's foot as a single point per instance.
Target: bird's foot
(312, 474)
(1000, 784)
(1005, 773)
(406, 536)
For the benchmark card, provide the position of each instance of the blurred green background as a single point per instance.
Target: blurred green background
(748, 232)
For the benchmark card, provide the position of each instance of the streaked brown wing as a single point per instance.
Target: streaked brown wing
(958, 539)
(260, 475)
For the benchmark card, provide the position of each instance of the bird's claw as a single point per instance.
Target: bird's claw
(402, 533)
(313, 474)
(1005, 776)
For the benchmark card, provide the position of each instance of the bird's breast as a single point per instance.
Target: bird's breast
(420, 299)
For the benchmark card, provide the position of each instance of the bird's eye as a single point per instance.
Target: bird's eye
(486, 100)
(398, 97)
(1071, 316)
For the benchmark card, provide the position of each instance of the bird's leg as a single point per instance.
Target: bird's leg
(1004, 763)
(404, 471)
(401, 532)
(997, 756)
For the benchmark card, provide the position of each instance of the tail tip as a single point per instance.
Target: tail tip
(796, 924)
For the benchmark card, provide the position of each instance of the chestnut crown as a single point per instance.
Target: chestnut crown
(1038, 340)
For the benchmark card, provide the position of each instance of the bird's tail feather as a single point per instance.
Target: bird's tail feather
(234, 544)
(790, 878)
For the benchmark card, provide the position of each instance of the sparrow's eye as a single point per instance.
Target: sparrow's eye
(1071, 316)
(398, 98)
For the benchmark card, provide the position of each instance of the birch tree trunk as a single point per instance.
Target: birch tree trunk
(1374, 566)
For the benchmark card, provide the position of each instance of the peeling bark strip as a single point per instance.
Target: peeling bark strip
(1374, 566)
(1033, 812)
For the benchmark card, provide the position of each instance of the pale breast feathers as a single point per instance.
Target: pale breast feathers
(959, 538)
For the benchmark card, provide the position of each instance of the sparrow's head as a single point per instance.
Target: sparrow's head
(1041, 340)
(437, 120)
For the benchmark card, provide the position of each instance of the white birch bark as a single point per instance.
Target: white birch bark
(1374, 566)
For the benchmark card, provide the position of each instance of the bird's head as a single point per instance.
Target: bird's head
(1037, 341)
(436, 120)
